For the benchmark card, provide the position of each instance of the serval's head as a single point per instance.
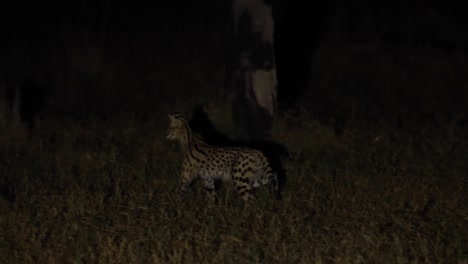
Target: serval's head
(177, 127)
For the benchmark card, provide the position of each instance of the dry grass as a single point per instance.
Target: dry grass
(104, 192)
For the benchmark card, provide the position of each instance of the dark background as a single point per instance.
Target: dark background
(335, 57)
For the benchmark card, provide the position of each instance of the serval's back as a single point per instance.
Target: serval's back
(247, 168)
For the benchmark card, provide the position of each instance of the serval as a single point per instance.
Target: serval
(247, 168)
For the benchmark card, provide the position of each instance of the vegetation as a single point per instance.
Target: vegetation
(105, 191)
(377, 143)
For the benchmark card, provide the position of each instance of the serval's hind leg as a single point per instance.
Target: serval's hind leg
(243, 187)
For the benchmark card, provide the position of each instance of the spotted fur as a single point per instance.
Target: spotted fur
(246, 168)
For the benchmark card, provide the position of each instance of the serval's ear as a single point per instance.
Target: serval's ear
(171, 117)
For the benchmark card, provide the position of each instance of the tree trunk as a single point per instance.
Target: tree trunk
(250, 69)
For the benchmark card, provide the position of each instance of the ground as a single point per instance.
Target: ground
(105, 191)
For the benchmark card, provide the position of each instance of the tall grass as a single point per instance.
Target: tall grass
(105, 191)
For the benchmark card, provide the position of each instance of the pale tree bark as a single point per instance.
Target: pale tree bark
(251, 80)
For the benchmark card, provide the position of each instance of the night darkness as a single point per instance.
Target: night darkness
(368, 139)
(102, 56)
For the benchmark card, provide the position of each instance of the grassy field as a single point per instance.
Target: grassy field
(94, 191)
(377, 143)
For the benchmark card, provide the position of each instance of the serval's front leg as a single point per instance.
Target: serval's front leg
(210, 189)
(188, 175)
